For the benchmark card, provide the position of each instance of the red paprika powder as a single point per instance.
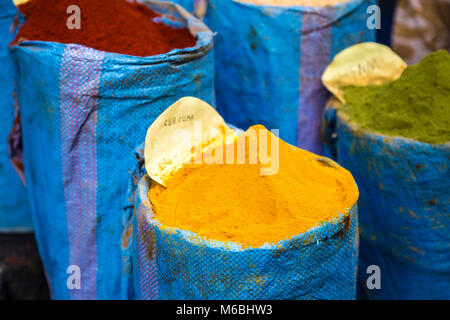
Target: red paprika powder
(119, 26)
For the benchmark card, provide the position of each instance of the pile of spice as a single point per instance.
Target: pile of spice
(118, 26)
(417, 105)
(234, 202)
(309, 3)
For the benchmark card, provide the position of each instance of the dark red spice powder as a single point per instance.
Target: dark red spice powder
(110, 25)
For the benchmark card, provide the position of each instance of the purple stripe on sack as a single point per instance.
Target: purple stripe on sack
(314, 58)
(200, 7)
(80, 77)
(148, 277)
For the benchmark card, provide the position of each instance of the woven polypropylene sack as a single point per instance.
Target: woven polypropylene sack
(187, 4)
(404, 209)
(169, 263)
(14, 211)
(83, 111)
(269, 61)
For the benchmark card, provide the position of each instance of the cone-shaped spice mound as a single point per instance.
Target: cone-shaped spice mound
(236, 202)
(118, 26)
(417, 105)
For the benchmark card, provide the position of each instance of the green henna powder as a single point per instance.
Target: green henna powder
(417, 105)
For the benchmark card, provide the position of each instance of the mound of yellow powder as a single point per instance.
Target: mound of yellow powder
(309, 3)
(234, 202)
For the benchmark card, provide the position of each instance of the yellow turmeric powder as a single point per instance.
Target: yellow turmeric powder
(235, 202)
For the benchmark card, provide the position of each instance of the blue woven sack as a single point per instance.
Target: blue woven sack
(404, 209)
(187, 4)
(14, 211)
(270, 59)
(83, 111)
(169, 263)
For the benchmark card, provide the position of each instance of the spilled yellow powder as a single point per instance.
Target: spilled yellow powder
(309, 3)
(234, 202)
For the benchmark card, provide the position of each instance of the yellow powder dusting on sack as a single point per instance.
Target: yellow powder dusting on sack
(309, 3)
(234, 202)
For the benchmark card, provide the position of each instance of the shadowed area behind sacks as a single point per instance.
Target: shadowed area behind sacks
(21, 273)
